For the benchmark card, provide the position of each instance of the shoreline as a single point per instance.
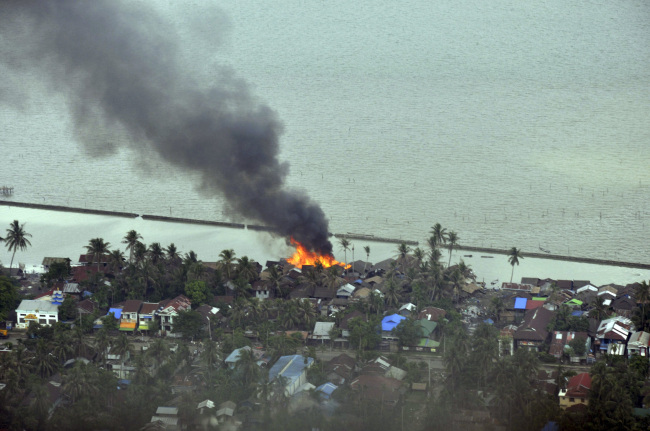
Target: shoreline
(353, 236)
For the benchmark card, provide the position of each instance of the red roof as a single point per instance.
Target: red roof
(579, 386)
(533, 304)
(81, 273)
(132, 306)
(149, 307)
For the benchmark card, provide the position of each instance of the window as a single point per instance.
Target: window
(572, 400)
(582, 400)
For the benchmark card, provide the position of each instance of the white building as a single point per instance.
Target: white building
(32, 310)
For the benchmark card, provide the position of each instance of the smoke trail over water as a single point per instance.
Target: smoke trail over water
(119, 62)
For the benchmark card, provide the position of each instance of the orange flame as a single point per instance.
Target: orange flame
(302, 256)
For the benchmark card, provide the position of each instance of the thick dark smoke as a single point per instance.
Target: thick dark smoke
(121, 60)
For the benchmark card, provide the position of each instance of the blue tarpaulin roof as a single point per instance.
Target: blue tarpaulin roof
(520, 303)
(489, 321)
(390, 322)
(116, 311)
(577, 313)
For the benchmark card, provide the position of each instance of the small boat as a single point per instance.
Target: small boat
(467, 255)
(494, 282)
(487, 257)
(544, 250)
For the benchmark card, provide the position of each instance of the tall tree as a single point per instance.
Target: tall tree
(452, 240)
(16, 239)
(402, 252)
(227, 257)
(367, 250)
(97, 248)
(345, 246)
(513, 258)
(642, 295)
(131, 238)
(438, 235)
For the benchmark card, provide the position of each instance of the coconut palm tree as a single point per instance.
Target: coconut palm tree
(44, 361)
(513, 258)
(246, 269)
(274, 279)
(367, 250)
(131, 239)
(247, 363)
(402, 251)
(16, 239)
(122, 346)
(97, 248)
(115, 260)
(498, 306)
(227, 258)
(438, 235)
(599, 310)
(391, 297)
(171, 253)
(345, 246)
(642, 295)
(452, 240)
(156, 252)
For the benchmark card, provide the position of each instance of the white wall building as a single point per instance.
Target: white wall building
(32, 310)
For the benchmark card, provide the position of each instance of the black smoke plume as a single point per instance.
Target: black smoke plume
(121, 61)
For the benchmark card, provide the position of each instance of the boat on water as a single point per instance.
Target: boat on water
(544, 250)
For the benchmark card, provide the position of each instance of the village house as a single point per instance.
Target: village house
(560, 344)
(340, 368)
(321, 331)
(377, 388)
(533, 332)
(639, 344)
(37, 311)
(293, 368)
(146, 315)
(170, 308)
(576, 392)
(612, 335)
(129, 317)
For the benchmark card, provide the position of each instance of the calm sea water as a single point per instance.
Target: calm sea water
(513, 124)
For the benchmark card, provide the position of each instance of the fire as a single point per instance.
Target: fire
(302, 256)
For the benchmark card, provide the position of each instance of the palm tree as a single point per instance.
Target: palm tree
(275, 278)
(131, 239)
(156, 252)
(345, 246)
(16, 239)
(122, 347)
(392, 293)
(438, 235)
(44, 361)
(97, 248)
(402, 251)
(247, 363)
(498, 306)
(172, 253)
(452, 240)
(227, 258)
(599, 309)
(115, 260)
(642, 295)
(513, 258)
(246, 269)
(367, 250)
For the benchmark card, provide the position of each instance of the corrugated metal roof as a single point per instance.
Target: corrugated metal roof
(289, 367)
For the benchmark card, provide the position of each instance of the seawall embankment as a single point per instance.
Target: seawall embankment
(354, 236)
(68, 209)
(556, 257)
